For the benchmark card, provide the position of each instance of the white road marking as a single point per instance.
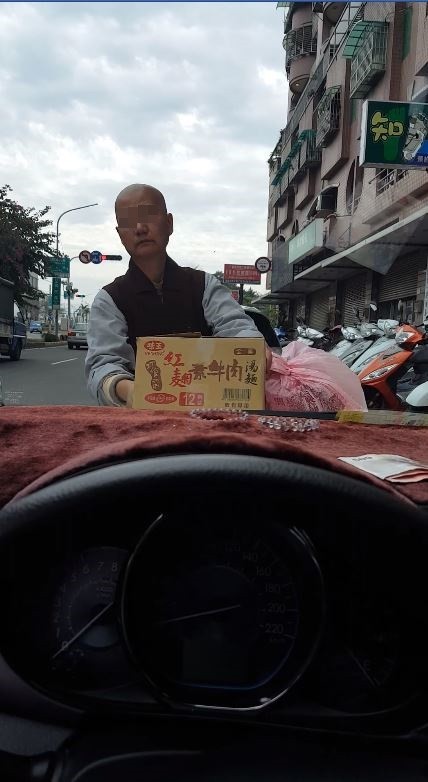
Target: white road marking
(66, 360)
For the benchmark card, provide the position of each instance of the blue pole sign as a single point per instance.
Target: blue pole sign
(96, 256)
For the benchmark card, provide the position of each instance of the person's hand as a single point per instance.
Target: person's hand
(268, 359)
(125, 391)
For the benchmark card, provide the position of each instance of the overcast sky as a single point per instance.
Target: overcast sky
(188, 97)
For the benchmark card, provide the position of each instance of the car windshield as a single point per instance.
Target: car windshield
(289, 141)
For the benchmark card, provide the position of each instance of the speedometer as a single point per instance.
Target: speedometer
(222, 614)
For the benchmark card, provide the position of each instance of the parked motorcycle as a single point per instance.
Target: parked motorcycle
(388, 329)
(356, 341)
(311, 337)
(396, 369)
(417, 400)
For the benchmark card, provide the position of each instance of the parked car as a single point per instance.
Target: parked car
(35, 327)
(77, 336)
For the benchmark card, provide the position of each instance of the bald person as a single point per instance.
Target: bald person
(154, 297)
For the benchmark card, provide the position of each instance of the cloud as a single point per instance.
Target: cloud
(187, 96)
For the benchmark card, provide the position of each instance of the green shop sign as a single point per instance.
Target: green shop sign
(307, 242)
(394, 135)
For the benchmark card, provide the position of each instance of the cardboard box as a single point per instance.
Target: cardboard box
(183, 373)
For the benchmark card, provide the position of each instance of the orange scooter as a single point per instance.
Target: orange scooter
(392, 374)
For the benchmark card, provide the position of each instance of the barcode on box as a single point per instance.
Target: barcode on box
(236, 394)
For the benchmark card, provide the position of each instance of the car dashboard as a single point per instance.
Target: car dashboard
(216, 610)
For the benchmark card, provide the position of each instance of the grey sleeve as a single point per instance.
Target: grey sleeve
(223, 313)
(108, 350)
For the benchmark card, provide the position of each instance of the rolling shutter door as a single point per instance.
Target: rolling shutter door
(319, 308)
(354, 297)
(401, 281)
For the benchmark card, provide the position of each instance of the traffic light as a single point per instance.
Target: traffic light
(80, 296)
(111, 257)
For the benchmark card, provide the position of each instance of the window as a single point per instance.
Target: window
(328, 115)
(354, 187)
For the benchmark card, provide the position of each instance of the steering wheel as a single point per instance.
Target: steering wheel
(288, 491)
(171, 479)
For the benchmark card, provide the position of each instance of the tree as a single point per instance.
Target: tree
(249, 296)
(25, 244)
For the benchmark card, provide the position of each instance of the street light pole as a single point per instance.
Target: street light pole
(69, 295)
(75, 209)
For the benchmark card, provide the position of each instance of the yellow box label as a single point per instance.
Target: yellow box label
(181, 373)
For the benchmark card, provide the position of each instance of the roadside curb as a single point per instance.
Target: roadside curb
(43, 344)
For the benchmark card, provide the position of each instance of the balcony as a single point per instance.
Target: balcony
(300, 47)
(304, 154)
(388, 177)
(328, 116)
(310, 154)
(369, 41)
(278, 193)
(333, 12)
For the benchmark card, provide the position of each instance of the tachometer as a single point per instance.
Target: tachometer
(222, 614)
(85, 647)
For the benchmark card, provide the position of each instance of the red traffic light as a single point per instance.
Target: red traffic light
(111, 257)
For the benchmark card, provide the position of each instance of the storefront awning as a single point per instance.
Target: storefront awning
(378, 252)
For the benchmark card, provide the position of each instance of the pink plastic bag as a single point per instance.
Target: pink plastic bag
(306, 379)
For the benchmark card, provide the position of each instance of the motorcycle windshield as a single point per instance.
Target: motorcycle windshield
(383, 344)
(342, 348)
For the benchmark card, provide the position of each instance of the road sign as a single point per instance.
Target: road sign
(56, 293)
(240, 274)
(57, 267)
(96, 256)
(263, 265)
(85, 256)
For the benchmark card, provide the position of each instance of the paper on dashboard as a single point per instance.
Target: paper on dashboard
(389, 467)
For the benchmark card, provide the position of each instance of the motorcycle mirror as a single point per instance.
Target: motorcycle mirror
(373, 306)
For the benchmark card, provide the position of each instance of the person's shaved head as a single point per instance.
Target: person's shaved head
(136, 194)
(143, 222)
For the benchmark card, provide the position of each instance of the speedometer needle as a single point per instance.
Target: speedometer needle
(93, 621)
(200, 613)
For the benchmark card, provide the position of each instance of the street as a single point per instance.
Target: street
(45, 376)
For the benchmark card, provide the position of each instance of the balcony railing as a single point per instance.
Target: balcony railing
(369, 60)
(310, 154)
(278, 193)
(351, 12)
(303, 154)
(388, 177)
(299, 43)
(328, 115)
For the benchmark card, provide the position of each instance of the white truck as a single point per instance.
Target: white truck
(13, 331)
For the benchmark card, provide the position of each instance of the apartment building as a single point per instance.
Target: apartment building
(341, 235)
